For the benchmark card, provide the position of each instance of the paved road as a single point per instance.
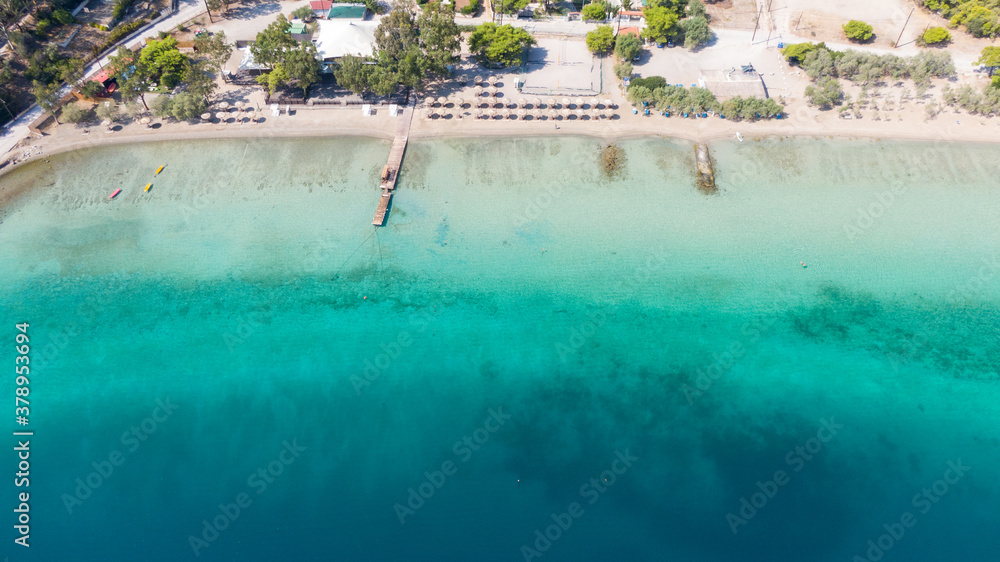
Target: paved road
(17, 130)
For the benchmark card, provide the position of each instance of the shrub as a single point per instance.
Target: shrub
(696, 32)
(651, 82)
(623, 70)
(73, 113)
(825, 94)
(935, 35)
(169, 80)
(601, 40)
(858, 31)
(627, 46)
(595, 11)
(117, 35)
(304, 12)
(796, 52)
(42, 27)
(63, 17)
(472, 8)
(92, 89)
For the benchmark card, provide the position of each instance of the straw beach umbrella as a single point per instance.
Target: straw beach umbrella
(536, 103)
(580, 112)
(491, 113)
(521, 102)
(553, 113)
(477, 113)
(224, 105)
(522, 112)
(593, 103)
(477, 80)
(442, 100)
(492, 91)
(492, 80)
(204, 117)
(565, 112)
(428, 101)
(238, 105)
(536, 114)
(565, 102)
(579, 102)
(221, 116)
(478, 90)
(609, 112)
(608, 102)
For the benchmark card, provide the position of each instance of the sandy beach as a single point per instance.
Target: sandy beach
(801, 121)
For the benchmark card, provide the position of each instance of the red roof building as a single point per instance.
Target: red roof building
(321, 5)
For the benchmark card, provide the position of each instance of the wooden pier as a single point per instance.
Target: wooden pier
(391, 170)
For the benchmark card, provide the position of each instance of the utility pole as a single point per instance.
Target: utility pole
(904, 29)
(757, 23)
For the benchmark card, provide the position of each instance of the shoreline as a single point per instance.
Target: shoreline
(627, 127)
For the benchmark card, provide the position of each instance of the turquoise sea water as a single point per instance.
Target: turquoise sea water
(244, 316)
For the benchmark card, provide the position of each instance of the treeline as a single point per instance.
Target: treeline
(655, 91)
(678, 21)
(978, 17)
(985, 102)
(825, 66)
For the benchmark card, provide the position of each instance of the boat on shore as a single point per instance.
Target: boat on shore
(739, 136)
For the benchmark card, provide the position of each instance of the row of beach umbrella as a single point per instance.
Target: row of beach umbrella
(535, 103)
(522, 113)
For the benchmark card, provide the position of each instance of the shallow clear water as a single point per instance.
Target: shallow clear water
(630, 315)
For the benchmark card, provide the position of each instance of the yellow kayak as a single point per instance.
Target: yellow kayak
(160, 169)
(148, 185)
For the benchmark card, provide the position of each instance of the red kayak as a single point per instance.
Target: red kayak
(115, 194)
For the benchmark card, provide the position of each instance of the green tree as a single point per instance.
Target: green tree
(302, 66)
(627, 46)
(185, 106)
(695, 8)
(271, 43)
(825, 94)
(161, 57)
(397, 32)
(92, 89)
(934, 36)
(108, 110)
(440, 38)
(623, 70)
(795, 52)
(214, 49)
(595, 11)
(134, 78)
(990, 57)
(601, 40)
(303, 13)
(354, 73)
(274, 79)
(47, 97)
(199, 81)
(161, 105)
(502, 44)
(73, 113)
(696, 32)
(858, 31)
(661, 25)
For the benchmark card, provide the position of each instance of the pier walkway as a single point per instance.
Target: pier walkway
(391, 170)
